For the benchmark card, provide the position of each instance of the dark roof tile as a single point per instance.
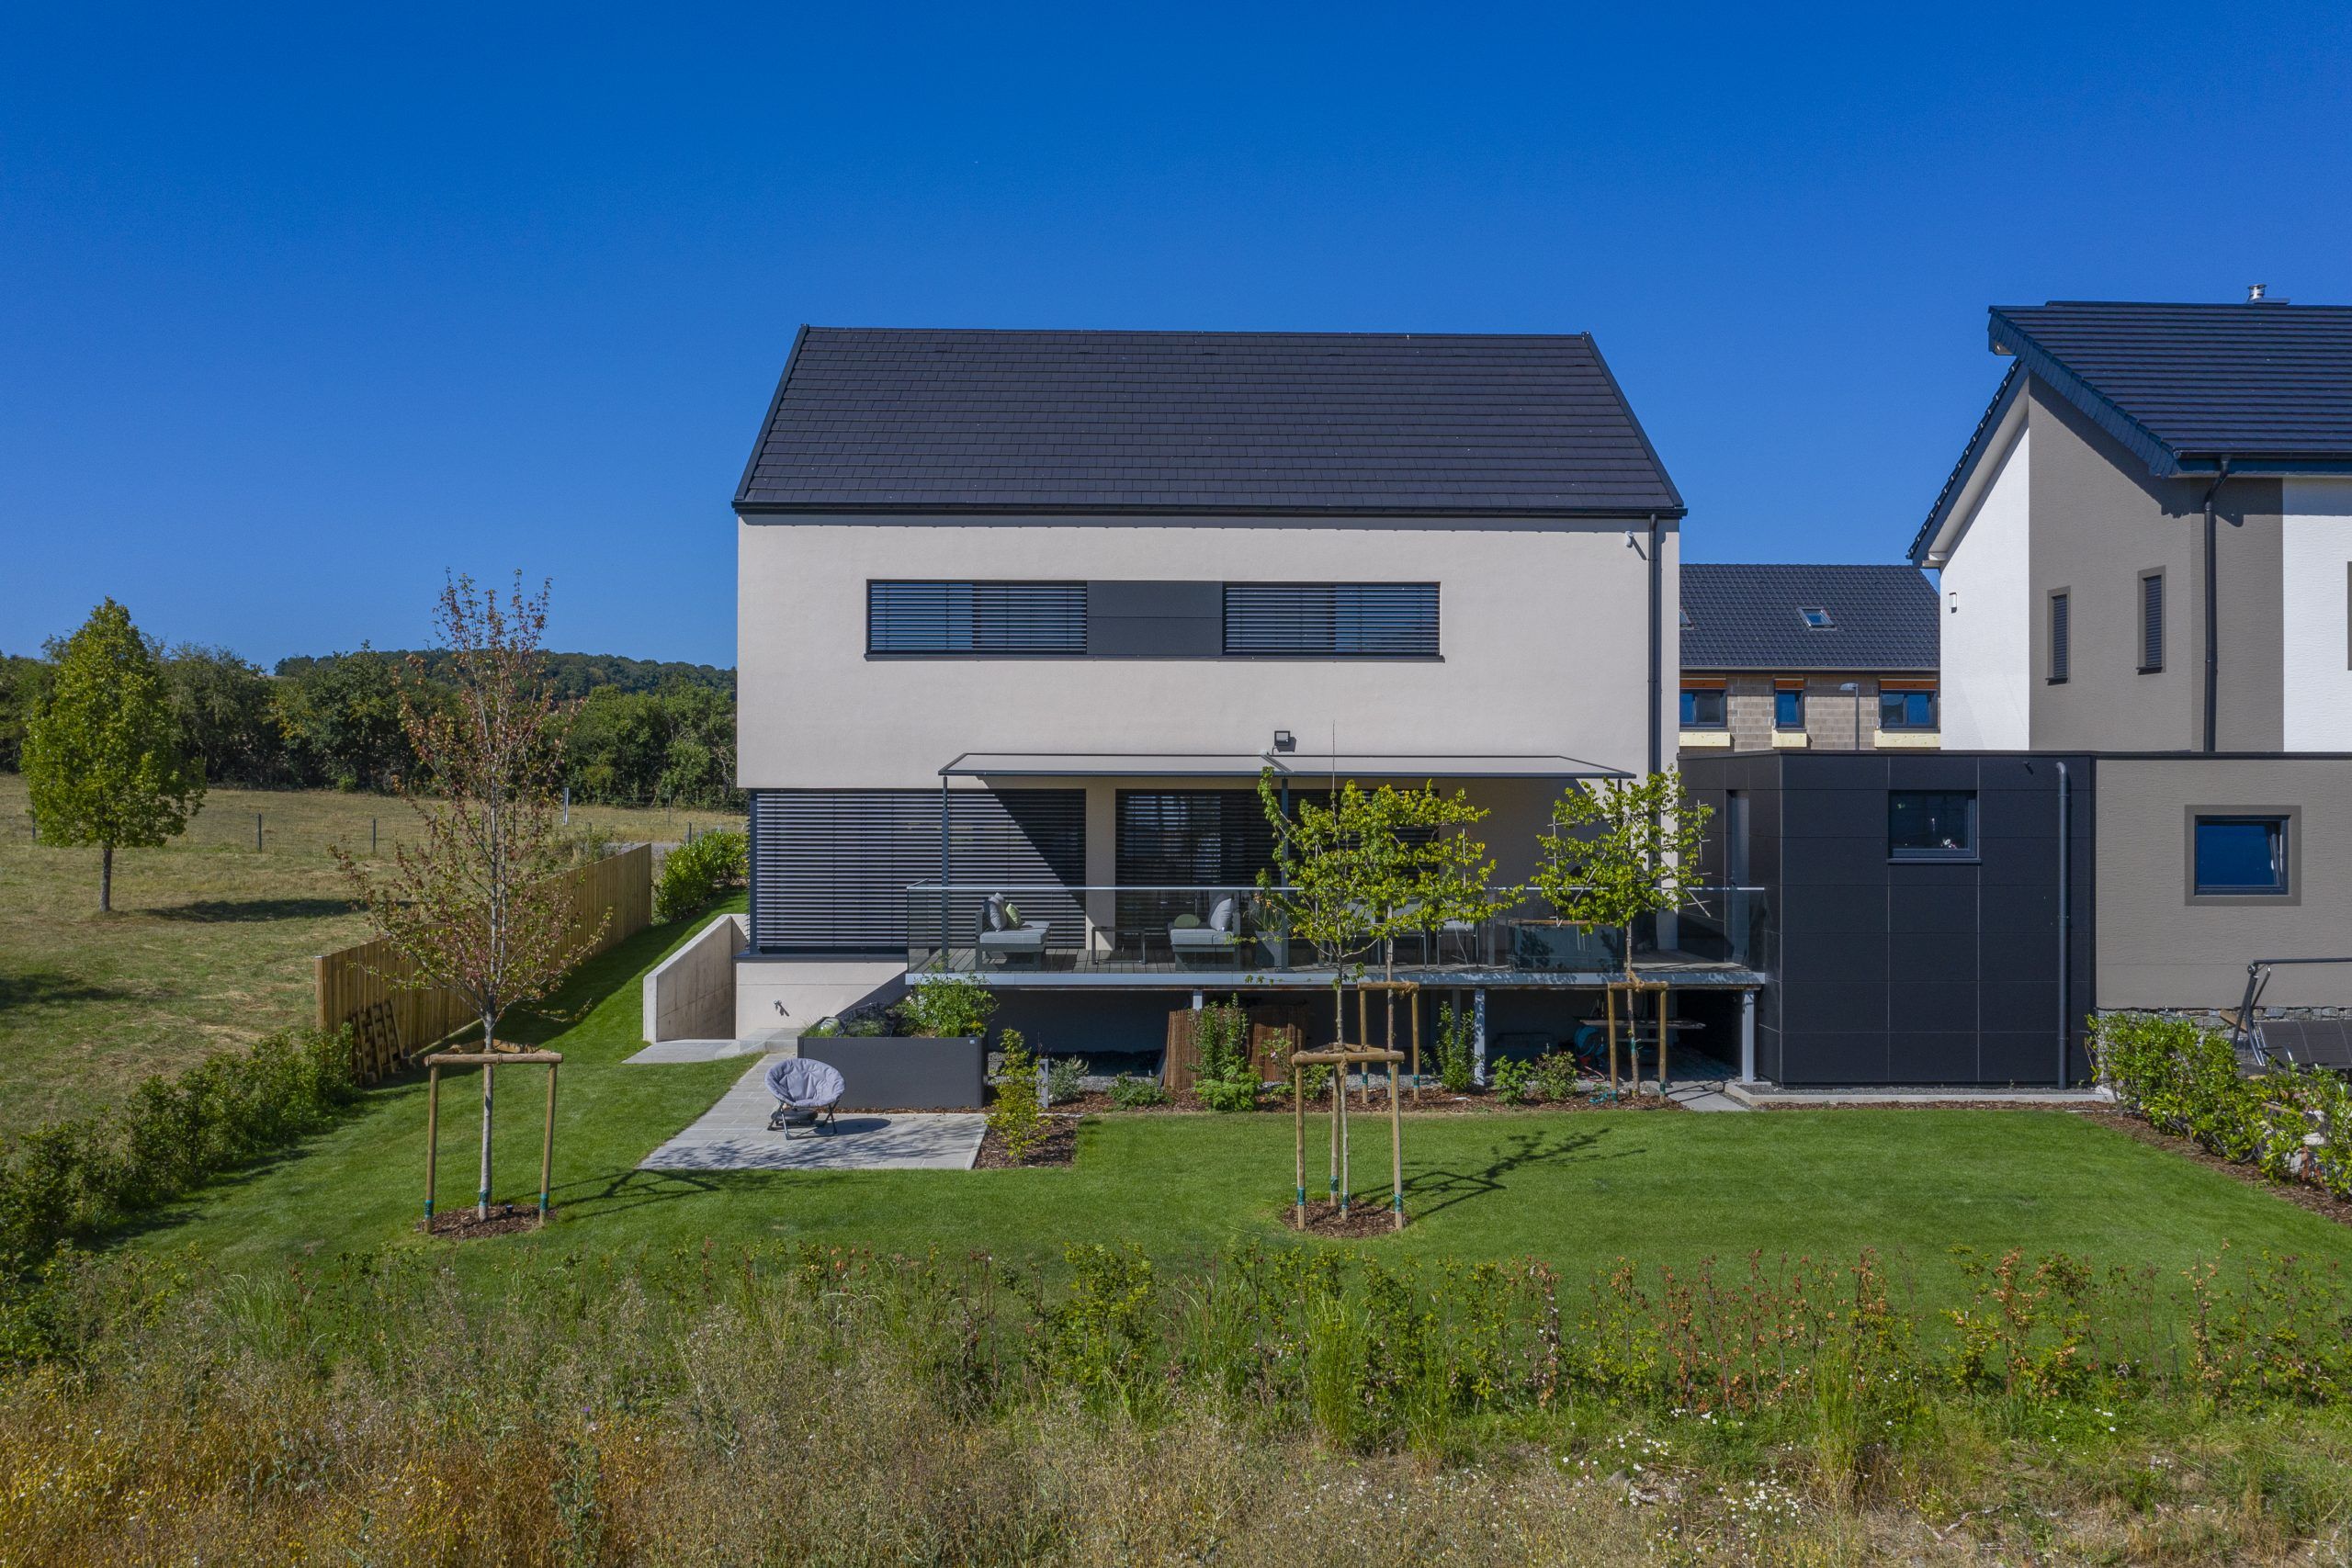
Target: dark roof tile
(910, 419)
(1747, 618)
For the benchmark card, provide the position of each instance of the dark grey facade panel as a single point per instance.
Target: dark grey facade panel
(1915, 972)
(1155, 620)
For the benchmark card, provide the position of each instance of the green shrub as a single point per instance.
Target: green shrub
(71, 1180)
(1556, 1076)
(948, 1008)
(692, 875)
(1225, 1079)
(1454, 1065)
(1062, 1075)
(1016, 1117)
(1130, 1092)
(1229, 1094)
(1513, 1081)
(2293, 1123)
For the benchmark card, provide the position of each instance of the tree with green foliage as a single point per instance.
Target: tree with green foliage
(103, 756)
(23, 682)
(473, 904)
(226, 713)
(345, 720)
(1619, 849)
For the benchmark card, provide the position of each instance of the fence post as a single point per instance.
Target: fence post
(256, 832)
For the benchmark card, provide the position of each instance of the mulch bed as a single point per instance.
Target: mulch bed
(464, 1224)
(2302, 1194)
(1432, 1100)
(1362, 1221)
(1059, 1147)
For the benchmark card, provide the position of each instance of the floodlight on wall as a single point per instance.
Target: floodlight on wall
(1285, 741)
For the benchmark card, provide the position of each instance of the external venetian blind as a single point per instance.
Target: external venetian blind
(2058, 637)
(946, 618)
(1330, 620)
(2152, 621)
(831, 868)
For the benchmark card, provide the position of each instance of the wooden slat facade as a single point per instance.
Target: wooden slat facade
(391, 1020)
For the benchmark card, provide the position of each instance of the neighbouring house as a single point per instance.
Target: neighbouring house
(2147, 543)
(1025, 615)
(1808, 658)
(2144, 563)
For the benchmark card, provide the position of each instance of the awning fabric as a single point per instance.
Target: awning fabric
(1248, 764)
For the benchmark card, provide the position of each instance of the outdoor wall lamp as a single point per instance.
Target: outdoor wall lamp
(1285, 741)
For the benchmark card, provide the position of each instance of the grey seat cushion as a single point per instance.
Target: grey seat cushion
(798, 1081)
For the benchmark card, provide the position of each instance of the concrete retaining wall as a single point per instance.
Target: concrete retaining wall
(692, 994)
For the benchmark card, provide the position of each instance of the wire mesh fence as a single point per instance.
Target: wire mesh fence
(313, 822)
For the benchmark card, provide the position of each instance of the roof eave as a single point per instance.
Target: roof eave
(1960, 482)
(767, 421)
(2005, 336)
(1622, 513)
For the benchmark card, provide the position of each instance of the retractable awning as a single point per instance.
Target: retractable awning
(1291, 764)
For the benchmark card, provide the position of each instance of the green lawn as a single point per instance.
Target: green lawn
(1577, 1191)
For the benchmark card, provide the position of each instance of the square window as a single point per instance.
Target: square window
(1906, 710)
(1931, 824)
(1788, 709)
(2241, 854)
(1816, 617)
(1702, 708)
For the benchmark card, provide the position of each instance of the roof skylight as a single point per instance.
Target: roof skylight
(1816, 617)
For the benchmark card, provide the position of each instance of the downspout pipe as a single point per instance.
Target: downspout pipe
(1657, 652)
(2212, 614)
(2066, 927)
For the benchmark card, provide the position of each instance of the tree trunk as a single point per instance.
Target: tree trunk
(106, 879)
(481, 1201)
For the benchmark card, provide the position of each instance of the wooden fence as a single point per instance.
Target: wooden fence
(1276, 1028)
(392, 1019)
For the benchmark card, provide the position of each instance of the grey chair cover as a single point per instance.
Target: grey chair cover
(804, 1085)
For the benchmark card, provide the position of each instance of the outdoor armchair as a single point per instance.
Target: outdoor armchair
(806, 1092)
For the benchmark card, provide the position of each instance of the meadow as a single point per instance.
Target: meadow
(209, 945)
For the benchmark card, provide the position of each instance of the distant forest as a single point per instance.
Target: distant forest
(636, 732)
(574, 674)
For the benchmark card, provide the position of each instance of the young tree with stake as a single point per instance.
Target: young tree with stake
(103, 758)
(1619, 849)
(472, 905)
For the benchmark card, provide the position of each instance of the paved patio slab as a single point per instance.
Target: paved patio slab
(733, 1135)
(671, 1052)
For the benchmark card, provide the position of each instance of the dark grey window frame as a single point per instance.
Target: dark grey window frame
(1935, 724)
(1723, 692)
(2289, 817)
(2058, 636)
(1074, 647)
(1796, 724)
(1304, 611)
(2152, 627)
(1968, 854)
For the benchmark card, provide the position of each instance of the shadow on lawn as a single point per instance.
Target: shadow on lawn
(221, 911)
(1430, 1192)
(51, 987)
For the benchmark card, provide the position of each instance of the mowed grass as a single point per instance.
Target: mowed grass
(1577, 1191)
(209, 945)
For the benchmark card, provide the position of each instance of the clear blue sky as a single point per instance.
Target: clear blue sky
(297, 310)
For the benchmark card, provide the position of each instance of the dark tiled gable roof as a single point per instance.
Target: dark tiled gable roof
(917, 420)
(2187, 385)
(1747, 618)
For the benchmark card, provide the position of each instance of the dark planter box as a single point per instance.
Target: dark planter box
(885, 1072)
